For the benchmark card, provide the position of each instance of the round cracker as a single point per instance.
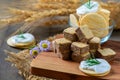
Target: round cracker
(24, 44)
(26, 47)
(20, 45)
(96, 23)
(92, 73)
(105, 13)
(10, 43)
(73, 18)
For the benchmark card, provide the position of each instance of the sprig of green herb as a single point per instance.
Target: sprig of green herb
(92, 60)
(21, 35)
(88, 4)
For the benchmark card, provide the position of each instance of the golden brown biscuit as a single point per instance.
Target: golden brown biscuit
(105, 13)
(96, 23)
(11, 43)
(95, 67)
(74, 20)
(20, 45)
(92, 73)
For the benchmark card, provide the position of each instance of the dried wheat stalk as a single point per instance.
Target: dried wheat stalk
(46, 13)
(14, 19)
(21, 15)
(30, 15)
(22, 61)
(25, 28)
(31, 26)
(20, 12)
(56, 22)
(59, 1)
(39, 6)
(63, 1)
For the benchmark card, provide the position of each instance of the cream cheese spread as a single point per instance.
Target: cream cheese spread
(103, 67)
(94, 6)
(26, 37)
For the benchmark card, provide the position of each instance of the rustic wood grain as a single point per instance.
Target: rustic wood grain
(49, 65)
(7, 72)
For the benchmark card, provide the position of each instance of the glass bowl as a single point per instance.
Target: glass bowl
(106, 38)
(111, 28)
(114, 7)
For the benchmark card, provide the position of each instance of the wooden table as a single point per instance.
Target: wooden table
(49, 65)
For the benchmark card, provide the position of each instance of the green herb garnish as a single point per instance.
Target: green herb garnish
(21, 35)
(31, 47)
(92, 60)
(88, 4)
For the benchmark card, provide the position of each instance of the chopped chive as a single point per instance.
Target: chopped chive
(92, 60)
(89, 3)
(21, 35)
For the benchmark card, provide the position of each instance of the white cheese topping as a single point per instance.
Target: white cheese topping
(26, 37)
(103, 67)
(94, 6)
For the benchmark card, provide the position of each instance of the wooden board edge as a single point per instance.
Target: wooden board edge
(60, 75)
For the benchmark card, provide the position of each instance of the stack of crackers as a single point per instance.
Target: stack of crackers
(98, 21)
(114, 7)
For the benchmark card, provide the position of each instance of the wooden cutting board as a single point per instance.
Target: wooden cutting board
(47, 64)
